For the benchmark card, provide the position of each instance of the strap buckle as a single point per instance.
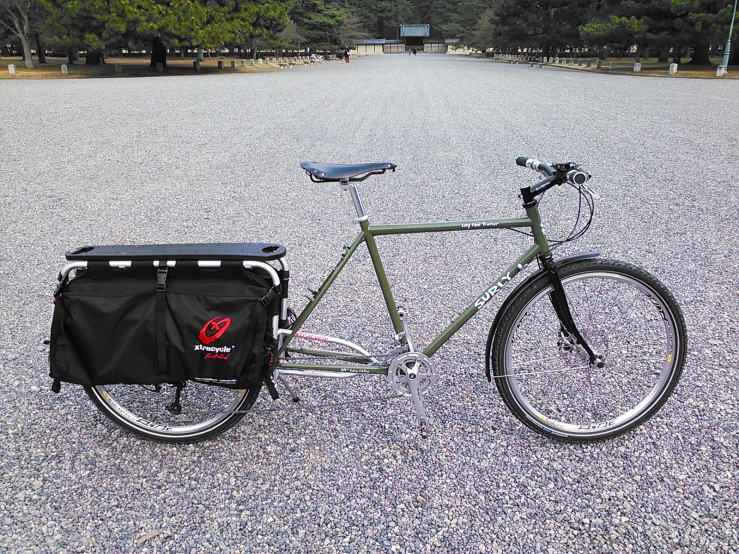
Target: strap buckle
(271, 296)
(162, 278)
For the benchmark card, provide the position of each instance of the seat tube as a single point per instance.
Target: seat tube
(387, 294)
(369, 240)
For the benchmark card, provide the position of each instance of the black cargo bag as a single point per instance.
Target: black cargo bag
(143, 325)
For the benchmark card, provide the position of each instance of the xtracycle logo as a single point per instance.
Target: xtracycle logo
(214, 329)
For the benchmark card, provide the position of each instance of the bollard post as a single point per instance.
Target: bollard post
(598, 64)
(579, 61)
(118, 68)
(637, 67)
(196, 65)
(673, 68)
(11, 69)
(251, 61)
(260, 61)
(720, 71)
(243, 63)
(233, 64)
(65, 69)
(588, 63)
(612, 66)
(220, 64)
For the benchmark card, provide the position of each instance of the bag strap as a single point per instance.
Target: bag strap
(272, 294)
(161, 312)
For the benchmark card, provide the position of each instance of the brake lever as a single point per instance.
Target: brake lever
(594, 195)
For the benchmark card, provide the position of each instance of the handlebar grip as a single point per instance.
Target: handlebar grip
(536, 165)
(577, 177)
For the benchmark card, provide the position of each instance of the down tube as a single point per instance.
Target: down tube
(483, 299)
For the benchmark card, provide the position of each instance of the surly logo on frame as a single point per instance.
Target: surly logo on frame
(492, 291)
(212, 331)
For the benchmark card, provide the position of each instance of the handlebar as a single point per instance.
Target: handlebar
(532, 163)
(555, 174)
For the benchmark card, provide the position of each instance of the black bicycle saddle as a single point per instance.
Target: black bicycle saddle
(323, 172)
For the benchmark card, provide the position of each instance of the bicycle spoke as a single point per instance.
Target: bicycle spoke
(616, 315)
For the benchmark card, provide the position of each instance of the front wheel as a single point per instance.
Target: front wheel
(205, 410)
(626, 316)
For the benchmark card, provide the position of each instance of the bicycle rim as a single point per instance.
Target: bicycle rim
(553, 385)
(206, 410)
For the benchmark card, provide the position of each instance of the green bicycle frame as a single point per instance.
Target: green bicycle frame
(367, 235)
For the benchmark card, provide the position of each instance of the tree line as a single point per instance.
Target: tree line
(642, 28)
(658, 28)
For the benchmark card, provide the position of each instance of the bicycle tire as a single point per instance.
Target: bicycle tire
(207, 410)
(532, 359)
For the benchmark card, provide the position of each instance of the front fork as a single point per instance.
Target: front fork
(562, 309)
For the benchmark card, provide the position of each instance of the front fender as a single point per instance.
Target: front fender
(516, 292)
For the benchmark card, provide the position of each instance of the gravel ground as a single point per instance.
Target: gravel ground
(215, 158)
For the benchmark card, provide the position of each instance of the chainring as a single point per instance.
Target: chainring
(397, 375)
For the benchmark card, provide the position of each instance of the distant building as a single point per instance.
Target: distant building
(412, 36)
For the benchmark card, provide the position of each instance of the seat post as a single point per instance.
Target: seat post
(361, 216)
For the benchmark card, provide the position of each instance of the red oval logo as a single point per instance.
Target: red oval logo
(214, 329)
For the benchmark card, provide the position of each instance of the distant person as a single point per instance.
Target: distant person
(346, 54)
(415, 51)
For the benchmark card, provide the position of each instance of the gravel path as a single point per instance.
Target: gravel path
(215, 158)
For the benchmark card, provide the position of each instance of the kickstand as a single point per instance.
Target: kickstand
(175, 408)
(418, 404)
(283, 382)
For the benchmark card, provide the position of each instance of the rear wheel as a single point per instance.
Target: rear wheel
(206, 410)
(625, 315)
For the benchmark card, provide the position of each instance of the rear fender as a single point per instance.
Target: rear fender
(515, 293)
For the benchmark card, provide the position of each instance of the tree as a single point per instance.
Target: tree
(545, 26)
(16, 18)
(463, 21)
(662, 25)
(270, 20)
(88, 25)
(699, 23)
(320, 22)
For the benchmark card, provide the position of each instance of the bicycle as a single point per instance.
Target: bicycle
(583, 350)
